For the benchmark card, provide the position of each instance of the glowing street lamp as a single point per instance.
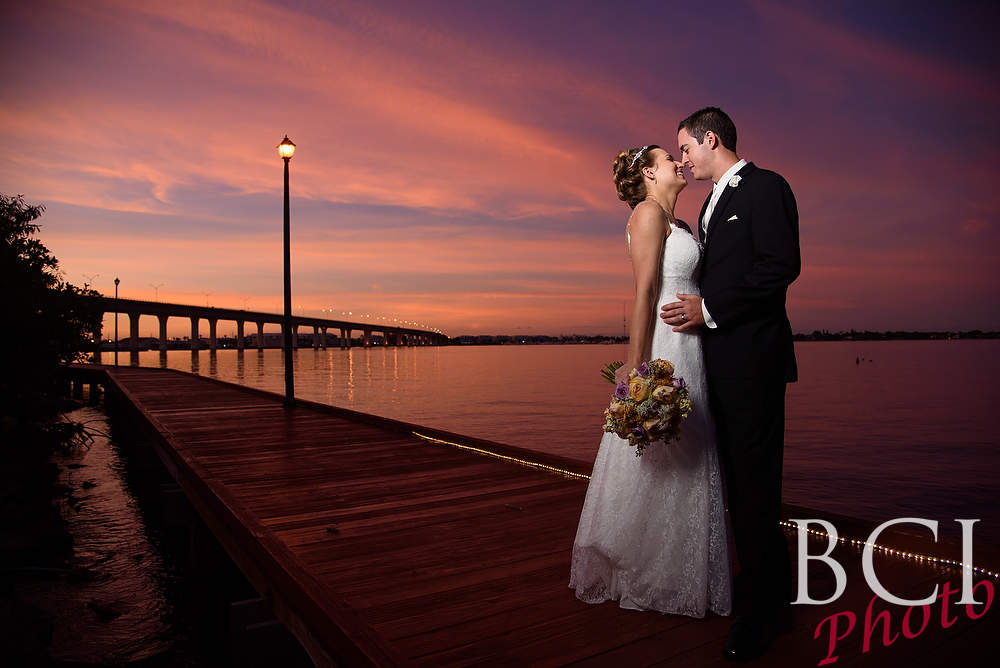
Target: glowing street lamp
(286, 149)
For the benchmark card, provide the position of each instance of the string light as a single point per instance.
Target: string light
(524, 462)
(854, 542)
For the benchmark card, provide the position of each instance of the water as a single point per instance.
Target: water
(101, 513)
(124, 597)
(909, 431)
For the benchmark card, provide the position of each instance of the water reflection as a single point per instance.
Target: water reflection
(117, 610)
(350, 375)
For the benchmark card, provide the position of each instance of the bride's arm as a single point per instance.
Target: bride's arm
(648, 232)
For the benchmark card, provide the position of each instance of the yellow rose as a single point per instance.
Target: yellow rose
(638, 389)
(663, 393)
(667, 369)
(650, 423)
(617, 409)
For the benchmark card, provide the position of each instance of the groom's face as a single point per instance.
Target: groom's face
(696, 157)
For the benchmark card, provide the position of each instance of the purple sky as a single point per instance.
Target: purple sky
(454, 159)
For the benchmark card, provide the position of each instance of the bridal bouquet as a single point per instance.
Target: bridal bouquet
(649, 407)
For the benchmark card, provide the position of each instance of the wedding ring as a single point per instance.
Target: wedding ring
(683, 317)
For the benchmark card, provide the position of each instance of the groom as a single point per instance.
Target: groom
(749, 225)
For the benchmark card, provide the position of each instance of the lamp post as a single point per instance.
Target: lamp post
(116, 320)
(286, 149)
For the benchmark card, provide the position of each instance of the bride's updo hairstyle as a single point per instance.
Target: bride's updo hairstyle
(628, 173)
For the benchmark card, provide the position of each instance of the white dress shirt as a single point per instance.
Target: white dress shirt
(717, 190)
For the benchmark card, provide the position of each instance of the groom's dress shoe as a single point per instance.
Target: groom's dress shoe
(748, 639)
(751, 637)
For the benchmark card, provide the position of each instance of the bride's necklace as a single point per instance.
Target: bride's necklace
(670, 216)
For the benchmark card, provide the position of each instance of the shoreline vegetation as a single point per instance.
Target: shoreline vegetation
(55, 320)
(817, 335)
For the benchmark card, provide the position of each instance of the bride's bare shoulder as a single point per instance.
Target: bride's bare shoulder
(648, 218)
(647, 212)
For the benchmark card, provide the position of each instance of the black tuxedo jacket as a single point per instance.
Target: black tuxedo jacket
(751, 257)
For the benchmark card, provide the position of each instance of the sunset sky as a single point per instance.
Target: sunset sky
(453, 161)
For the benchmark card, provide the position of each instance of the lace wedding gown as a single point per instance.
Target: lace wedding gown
(652, 533)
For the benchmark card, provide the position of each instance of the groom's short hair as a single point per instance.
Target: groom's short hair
(714, 119)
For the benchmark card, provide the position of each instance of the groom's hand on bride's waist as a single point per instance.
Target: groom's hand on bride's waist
(684, 314)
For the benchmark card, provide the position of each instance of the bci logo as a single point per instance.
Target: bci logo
(871, 622)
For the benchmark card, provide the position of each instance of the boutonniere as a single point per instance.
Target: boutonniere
(735, 180)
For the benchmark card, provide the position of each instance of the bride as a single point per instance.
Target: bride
(652, 533)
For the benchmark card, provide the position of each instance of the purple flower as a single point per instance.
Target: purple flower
(679, 382)
(643, 370)
(639, 432)
(621, 392)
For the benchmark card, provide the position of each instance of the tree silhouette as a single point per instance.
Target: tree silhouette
(48, 323)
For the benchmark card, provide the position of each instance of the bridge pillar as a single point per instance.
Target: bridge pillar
(348, 338)
(260, 335)
(212, 326)
(343, 338)
(323, 340)
(163, 331)
(194, 333)
(133, 331)
(295, 337)
(315, 337)
(240, 343)
(367, 333)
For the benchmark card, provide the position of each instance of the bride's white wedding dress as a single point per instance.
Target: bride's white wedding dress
(652, 533)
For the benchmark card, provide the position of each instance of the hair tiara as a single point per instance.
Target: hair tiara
(635, 158)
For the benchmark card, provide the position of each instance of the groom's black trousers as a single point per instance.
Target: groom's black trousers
(750, 419)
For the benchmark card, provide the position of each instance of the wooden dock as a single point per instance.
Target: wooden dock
(389, 544)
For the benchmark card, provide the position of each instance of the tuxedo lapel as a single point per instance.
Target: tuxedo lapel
(720, 206)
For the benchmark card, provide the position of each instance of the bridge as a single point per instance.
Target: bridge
(134, 309)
